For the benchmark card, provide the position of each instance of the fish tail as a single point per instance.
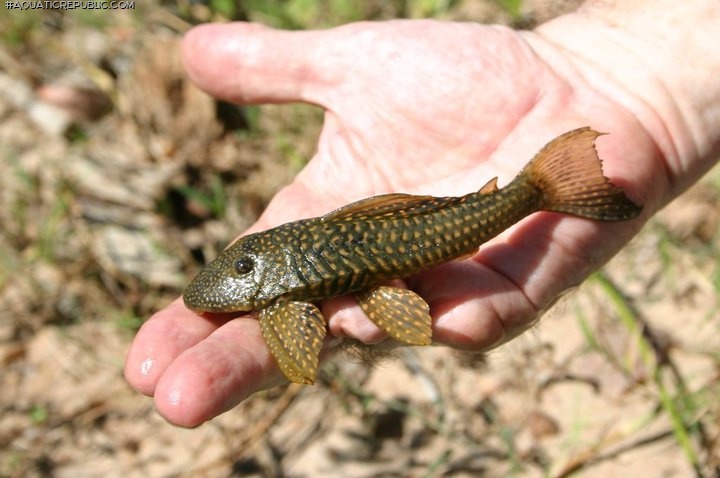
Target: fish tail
(569, 174)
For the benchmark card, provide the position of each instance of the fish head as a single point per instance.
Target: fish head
(233, 281)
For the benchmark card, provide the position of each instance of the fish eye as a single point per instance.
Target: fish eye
(243, 265)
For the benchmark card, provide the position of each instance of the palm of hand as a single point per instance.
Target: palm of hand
(418, 107)
(426, 101)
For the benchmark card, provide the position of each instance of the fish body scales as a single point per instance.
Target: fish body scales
(335, 257)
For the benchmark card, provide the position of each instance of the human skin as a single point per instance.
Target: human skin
(439, 108)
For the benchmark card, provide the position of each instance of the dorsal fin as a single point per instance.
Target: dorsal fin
(490, 187)
(386, 204)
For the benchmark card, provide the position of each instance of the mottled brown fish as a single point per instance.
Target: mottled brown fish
(358, 248)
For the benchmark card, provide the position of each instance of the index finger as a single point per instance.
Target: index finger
(197, 367)
(160, 340)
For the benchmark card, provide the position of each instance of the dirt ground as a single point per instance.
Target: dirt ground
(118, 179)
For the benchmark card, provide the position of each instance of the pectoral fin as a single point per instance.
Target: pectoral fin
(294, 333)
(403, 314)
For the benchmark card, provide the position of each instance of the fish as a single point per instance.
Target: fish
(359, 248)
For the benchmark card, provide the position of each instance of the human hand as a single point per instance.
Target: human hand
(418, 107)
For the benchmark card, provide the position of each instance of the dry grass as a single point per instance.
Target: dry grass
(119, 179)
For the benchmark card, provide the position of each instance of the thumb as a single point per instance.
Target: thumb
(251, 63)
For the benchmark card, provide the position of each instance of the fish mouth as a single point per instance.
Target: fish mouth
(210, 304)
(223, 317)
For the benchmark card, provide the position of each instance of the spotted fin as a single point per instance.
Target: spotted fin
(294, 333)
(568, 173)
(386, 205)
(403, 314)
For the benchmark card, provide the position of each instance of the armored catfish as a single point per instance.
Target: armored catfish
(358, 248)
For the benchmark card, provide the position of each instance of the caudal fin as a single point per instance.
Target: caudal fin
(569, 173)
